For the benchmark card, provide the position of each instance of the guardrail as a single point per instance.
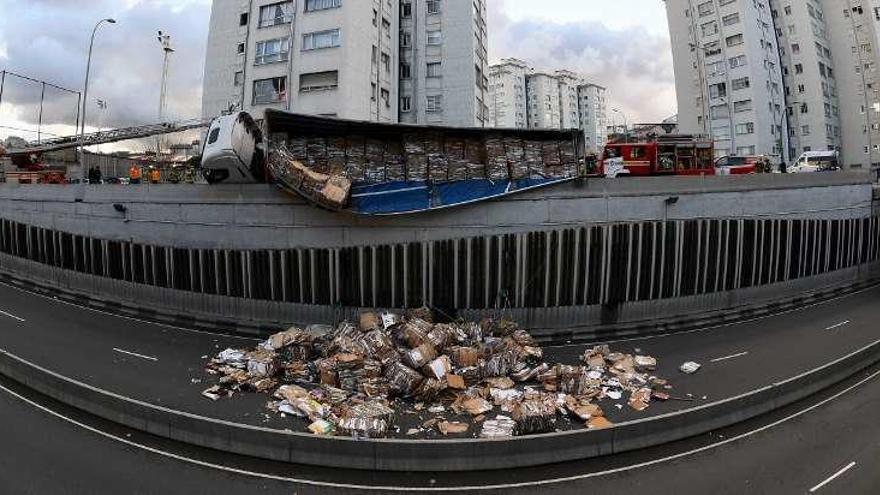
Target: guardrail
(439, 455)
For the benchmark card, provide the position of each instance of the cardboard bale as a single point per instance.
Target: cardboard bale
(317, 151)
(500, 427)
(395, 162)
(369, 321)
(336, 154)
(464, 357)
(420, 356)
(355, 157)
(475, 155)
(534, 416)
(378, 346)
(402, 379)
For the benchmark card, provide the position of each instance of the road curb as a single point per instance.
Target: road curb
(438, 455)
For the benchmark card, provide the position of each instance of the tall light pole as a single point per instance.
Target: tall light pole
(165, 42)
(85, 98)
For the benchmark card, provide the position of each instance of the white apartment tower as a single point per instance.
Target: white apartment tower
(854, 29)
(728, 74)
(507, 94)
(416, 61)
(542, 94)
(593, 112)
(809, 76)
(569, 112)
(444, 68)
(520, 97)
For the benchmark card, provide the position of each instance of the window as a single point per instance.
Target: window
(405, 10)
(267, 91)
(318, 81)
(406, 103)
(730, 19)
(709, 28)
(321, 39)
(405, 39)
(243, 19)
(434, 104)
(240, 48)
(798, 69)
(433, 6)
(386, 62)
(435, 37)
(275, 14)
(313, 5)
(741, 83)
(215, 134)
(238, 79)
(272, 51)
(746, 128)
(705, 9)
(386, 97)
(405, 70)
(805, 130)
(435, 69)
(734, 40)
(718, 90)
(742, 106)
(738, 61)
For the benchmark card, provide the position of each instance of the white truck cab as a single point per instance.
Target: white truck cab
(233, 151)
(815, 161)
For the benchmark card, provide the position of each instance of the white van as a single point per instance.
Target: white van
(232, 153)
(815, 161)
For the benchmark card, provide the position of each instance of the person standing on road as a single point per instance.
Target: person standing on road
(155, 175)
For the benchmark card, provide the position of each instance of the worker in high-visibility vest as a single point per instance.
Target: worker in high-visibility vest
(134, 174)
(155, 175)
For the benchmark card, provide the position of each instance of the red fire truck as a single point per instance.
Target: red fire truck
(664, 155)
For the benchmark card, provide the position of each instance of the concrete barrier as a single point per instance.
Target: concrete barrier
(439, 455)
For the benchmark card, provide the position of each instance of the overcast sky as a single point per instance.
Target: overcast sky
(624, 47)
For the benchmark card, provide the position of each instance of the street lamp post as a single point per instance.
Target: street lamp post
(85, 98)
(165, 42)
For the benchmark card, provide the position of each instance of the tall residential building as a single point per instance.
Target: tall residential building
(808, 76)
(593, 112)
(520, 97)
(507, 94)
(444, 62)
(544, 106)
(376, 60)
(728, 74)
(854, 29)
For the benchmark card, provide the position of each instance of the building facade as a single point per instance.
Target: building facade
(507, 94)
(854, 29)
(444, 62)
(728, 74)
(593, 111)
(419, 61)
(808, 76)
(523, 98)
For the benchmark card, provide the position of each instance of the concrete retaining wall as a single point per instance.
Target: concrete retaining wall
(440, 455)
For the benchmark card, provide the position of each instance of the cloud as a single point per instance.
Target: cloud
(49, 40)
(633, 63)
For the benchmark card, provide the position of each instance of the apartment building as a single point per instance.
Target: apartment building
(593, 111)
(444, 62)
(544, 106)
(728, 74)
(808, 76)
(521, 97)
(507, 94)
(415, 61)
(854, 29)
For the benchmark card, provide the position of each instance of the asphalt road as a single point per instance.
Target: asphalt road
(828, 444)
(164, 365)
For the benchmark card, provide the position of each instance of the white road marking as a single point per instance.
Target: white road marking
(442, 489)
(132, 318)
(123, 351)
(833, 477)
(841, 324)
(732, 356)
(10, 315)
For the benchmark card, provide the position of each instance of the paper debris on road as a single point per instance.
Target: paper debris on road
(690, 367)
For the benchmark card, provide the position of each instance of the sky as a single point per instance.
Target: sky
(624, 47)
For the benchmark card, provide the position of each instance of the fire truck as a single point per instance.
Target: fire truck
(664, 155)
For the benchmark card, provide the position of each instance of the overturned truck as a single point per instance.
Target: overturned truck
(384, 169)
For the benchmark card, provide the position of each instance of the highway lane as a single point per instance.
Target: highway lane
(47, 449)
(164, 365)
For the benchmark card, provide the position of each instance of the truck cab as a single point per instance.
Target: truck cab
(233, 152)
